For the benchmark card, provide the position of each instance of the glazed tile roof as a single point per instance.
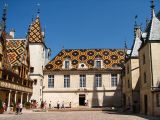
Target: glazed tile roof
(15, 51)
(35, 33)
(6, 64)
(110, 57)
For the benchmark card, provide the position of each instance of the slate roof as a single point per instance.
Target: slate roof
(35, 33)
(153, 28)
(110, 57)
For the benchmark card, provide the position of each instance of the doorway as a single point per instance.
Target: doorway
(145, 104)
(82, 98)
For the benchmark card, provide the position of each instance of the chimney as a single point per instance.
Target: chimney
(11, 33)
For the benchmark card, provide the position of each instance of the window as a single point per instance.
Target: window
(98, 64)
(128, 69)
(113, 80)
(145, 77)
(158, 100)
(128, 84)
(66, 65)
(31, 69)
(35, 81)
(144, 59)
(66, 81)
(98, 78)
(82, 80)
(41, 82)
(40, 92)
(50, 81)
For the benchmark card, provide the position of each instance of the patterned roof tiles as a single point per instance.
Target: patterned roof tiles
(110, 57)
(35, 33)
(15, 51)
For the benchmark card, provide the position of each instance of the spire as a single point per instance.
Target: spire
(125, 44)
(38, 9)
(152, 8)
(4, 16)
(135, 18)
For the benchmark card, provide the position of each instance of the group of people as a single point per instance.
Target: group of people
(59, 105)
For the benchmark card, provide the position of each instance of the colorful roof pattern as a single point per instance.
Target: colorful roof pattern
(110, 57)
(6, 64)
(15, 51)
(35, 33)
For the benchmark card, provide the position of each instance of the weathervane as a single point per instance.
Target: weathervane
(38, 10)
(152, 4)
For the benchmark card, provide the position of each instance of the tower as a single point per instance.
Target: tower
(39, 56)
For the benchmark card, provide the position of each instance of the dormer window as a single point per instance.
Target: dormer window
(98, 64)
(66, 64)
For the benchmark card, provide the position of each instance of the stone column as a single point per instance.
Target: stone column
(27, 97)
(15, 97)
(21, 97)
(9, 100)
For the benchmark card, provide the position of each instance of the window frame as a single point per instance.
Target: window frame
(158, 99)
(114, 80)
(98, 80)
(66, 64)
(50, 81)
(66, 81)
(82, 80)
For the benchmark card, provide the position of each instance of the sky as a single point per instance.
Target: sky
(75, 24)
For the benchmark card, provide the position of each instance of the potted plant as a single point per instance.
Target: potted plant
(27, 105)
(1, 107)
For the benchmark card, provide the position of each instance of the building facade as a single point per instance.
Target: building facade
(15, 84)
(39, 56)
(131, 86)
(147, 61)
(149, 68)
(75, 76)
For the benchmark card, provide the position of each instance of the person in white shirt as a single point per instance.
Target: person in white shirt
(20, 106)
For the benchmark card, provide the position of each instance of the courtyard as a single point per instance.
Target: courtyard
(72, 115)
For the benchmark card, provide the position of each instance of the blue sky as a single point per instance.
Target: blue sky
(80, 23)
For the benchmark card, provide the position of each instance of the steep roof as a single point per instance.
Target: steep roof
(153, 28)
(35, 33)
(15, 51)
(111, 58)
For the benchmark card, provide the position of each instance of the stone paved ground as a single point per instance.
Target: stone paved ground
(72, 115)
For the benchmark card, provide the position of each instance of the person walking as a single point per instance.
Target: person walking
(58, 104)
(17, 108)
(50, 105)
(20, 108)
(62, 105)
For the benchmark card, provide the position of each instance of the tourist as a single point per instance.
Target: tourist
(58, 104)
(4, 106)
(17, 108)
(20, 108)
(70, 104)
(62, 105)
(45, 105)
(85, 102)
(50, 105)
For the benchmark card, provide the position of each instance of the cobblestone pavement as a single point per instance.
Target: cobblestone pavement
(73, 115)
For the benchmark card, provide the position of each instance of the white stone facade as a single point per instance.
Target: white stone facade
(106, 95)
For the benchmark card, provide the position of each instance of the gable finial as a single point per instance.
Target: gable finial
(38, 9)
(152, 8)
(135, 19)
(125, 45)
